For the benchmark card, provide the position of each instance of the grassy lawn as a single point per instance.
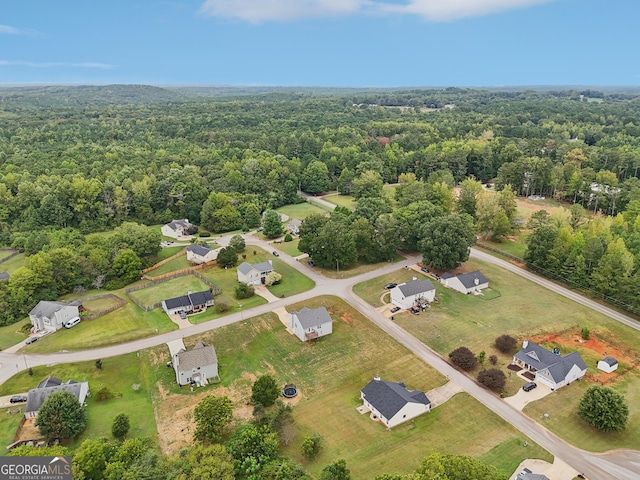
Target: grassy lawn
(300, 210)
(169, 251)
(170, 289)
(516, 245)
(5, 253)
(9, 421)
(172, 266)
(372, 290)
(357, 269)
(329, 374)
(13, 264)
(118, 374)
(99, 304)
(343, 200)
(290, 248)
(12, 334)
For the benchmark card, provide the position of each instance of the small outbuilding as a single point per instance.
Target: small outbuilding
(608, 364)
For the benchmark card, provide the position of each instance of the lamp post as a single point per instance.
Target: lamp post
(241, 315)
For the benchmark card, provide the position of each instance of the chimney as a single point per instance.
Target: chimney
(377, 378)
(525, 344)
(476, 281)
(189, 292)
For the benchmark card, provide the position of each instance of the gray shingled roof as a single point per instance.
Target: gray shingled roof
(49, 382)
(262, 267)
(527, 474)
(37, 396)
(415, 287)
(309, 317)
(542, 359)
(446, 275)
(189, 300)
(469, 279)
(610, 360)
(389, 397)
(559, 370)
(46, 309)
(174, 224)
(200, 356)
(198, 250)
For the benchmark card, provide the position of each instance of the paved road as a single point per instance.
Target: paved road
(621, 464)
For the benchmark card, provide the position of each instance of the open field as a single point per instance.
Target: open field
(169, 251)
(357, 269)
(290, 248)
(99, 304)
(300, 211)
(9, 420)
(174, 265)
(13, 264)
(169, 289)
(118, 374)
(12, 334)
(5, 253)
(343, 200)
(329, 374)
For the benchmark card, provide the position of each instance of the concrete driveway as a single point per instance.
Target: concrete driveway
(558, 470)
(522, 398)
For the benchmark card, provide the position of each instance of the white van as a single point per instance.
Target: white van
(73, 322)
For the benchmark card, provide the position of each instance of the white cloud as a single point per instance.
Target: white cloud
(258, 11)
(9, 30)
(22, 63)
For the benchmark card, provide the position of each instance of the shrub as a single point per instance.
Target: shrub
(586, 334)
(204, 234)
(265, 391)
(481, 357)
(104, 394)
(120, 425)
(99, 364)
(506, 343)
(493, 378)
(237, 243)
(493, 359)
(222, 305)
(311, 446)
(288, 238)
(244, 291)
(464, 358)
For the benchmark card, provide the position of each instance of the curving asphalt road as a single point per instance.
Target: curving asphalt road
(619, 464)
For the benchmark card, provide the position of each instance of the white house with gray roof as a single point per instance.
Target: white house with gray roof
(50, 385)
(198, 365)
(552, 370)
(472, 282)
(310, 323)
(176, 228)
(527, 474)
(415, 292)
(52, 315)
(391, 404)
(294, 226)
(189, 303)
(255, 274)
(608, 364)
(199, 254)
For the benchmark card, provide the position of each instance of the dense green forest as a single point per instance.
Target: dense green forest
(80, 160)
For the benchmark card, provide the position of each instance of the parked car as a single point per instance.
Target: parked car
(30, 340)
(527, 387)
(259, 229)
(18, 399)
(425, 269)
(276, 254)
(389, 286)
(72, 323)
(436, 276)
(311, 263)
(183, 315)
(394, 309)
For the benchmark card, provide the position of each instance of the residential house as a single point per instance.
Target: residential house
(391, 403)
(415, 292)
(189, 303)
(309, 324)
(527, 474)
(52, 315)
(4, 276)
(550, 369)
(198, 254)
(176, 228)
(472, 282)
(50, 385)
(608, 364)
(254, 274)
(197, 365)
(294, 226)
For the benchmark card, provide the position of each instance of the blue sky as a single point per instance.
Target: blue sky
(374, 43)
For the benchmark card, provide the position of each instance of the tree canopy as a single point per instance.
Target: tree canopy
(604, 408)
(61, 416)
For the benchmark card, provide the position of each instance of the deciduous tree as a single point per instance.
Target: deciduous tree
(211, 416)
(446, 241)
(604, 408)
(61, 416)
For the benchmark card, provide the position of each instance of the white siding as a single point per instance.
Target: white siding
(295, 326)
(399, 300)
(605, 367)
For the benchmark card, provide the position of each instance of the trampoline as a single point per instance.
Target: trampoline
(289, 391)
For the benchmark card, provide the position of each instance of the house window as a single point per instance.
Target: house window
(404, 416)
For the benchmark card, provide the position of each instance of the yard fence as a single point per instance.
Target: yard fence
(166, 260)
(13, 253)
(119, 303)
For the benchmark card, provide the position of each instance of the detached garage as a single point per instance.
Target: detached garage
(608, 364)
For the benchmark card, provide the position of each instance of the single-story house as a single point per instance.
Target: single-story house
(527, 474)
(189, 303)
(310, 323)
(391, 403)
(472, 282)
(255, 274)
(4, 276)
(415, 292)
(176, 228)
(37, 396)
(198, 254)
(294, 226)
(52, 315)
(608, 364)
(197, 365)
(552, 370)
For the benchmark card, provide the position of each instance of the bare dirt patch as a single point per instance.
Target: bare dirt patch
(347, 318)
(28, 431)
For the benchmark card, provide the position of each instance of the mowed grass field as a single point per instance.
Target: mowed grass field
(13, 264)
(300, 211)
(290, 248)
(12, 334)
(357, 269)
(330, 373)
(343, 200)
(175, 287)
(118, 374)
(9, 420)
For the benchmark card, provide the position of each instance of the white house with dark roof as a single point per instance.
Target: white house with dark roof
(198, 254)
(472, 282)
(608, 364)
(198, 365)
(189, 303)
(415, 292)
(50, 385)
(552, 370)
(527, 474)
(52, 315)
(254, 274)
(391, 403)
(310, 323)
(176, 228)
(294, 226)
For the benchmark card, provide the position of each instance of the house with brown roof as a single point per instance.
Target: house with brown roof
(196, 366)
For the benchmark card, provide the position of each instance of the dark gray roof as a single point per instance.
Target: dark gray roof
(389, 397)
(201, 355)
(541, 359)
(198, 250)
(527, 474)
(469, 279)
(49, 382)
(37, 396)
(446, 275)
(46, 309)
(4, 276)
(262, 267)
(173, 225)
(189, 300)
(415, 287)
(610, 360)
(311, 317)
